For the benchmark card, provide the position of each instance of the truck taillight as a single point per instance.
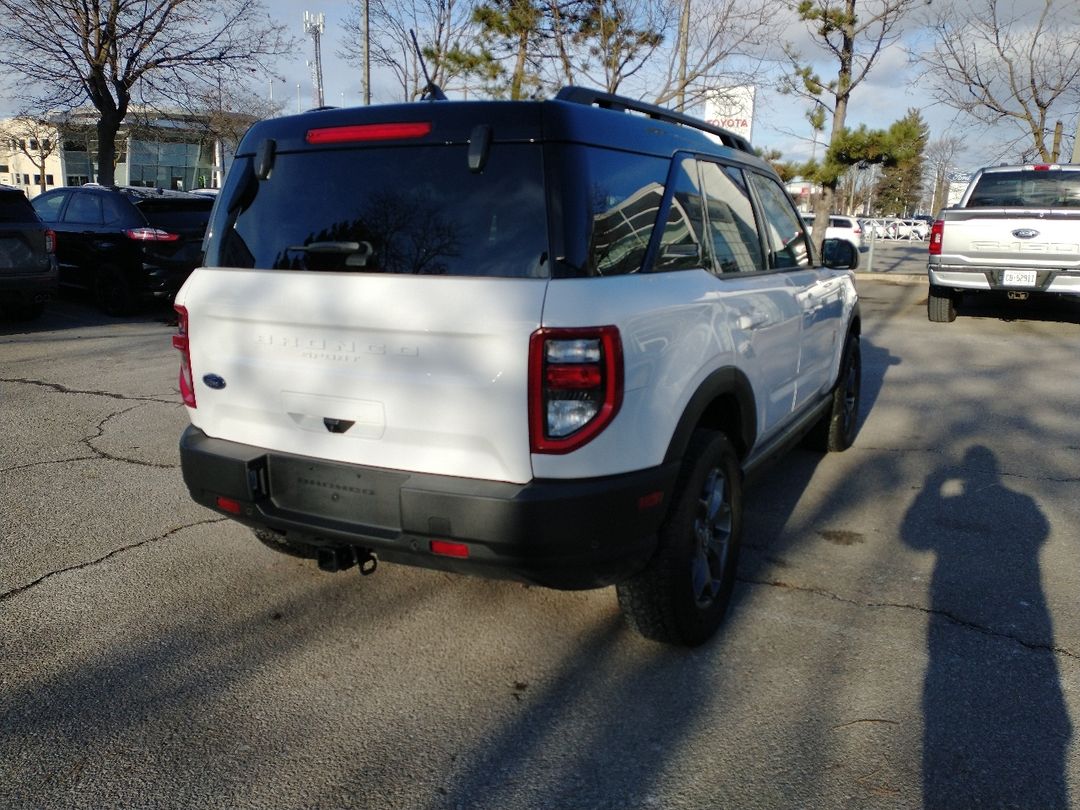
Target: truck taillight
(936, 231)
(575, 386)
(180, 342)
(50, 241)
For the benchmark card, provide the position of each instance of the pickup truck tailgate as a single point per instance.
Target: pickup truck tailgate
(985, 237)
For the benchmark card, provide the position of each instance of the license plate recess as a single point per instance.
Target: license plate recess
(359, 495)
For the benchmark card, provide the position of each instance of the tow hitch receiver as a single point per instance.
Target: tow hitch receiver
(341, 558)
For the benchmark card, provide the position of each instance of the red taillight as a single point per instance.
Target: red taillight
(575, 386)
(180, 342)
(444, 548)
(369, 132)
(50, 241)
(1042, 167)
(229, 505)
(936, 231)
(151, 235)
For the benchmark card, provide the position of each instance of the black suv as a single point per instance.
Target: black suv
(27, 264)
(126, 245)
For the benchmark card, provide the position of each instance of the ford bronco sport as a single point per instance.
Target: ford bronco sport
(540, 340)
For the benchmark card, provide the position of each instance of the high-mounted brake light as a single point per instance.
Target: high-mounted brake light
(369, 132)
(575, 386)
(937, 231)
(151, 235)
(180, 342)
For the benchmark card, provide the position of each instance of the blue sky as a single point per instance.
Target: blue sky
(779, 122)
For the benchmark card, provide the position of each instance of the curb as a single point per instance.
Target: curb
(891, 278)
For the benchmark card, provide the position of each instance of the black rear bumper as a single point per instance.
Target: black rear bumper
(567, 534)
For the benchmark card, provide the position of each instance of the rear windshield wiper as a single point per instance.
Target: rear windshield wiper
(356, 253)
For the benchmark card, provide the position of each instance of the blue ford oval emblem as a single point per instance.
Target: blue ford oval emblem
(1025, 233)
(214, 381)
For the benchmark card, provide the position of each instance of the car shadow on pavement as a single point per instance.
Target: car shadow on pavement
(996, 727)
(71, 310)
(996, 305)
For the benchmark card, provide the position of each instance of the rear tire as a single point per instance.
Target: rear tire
(941, 305)
(682, 595)
(837, 427)
(112, 292)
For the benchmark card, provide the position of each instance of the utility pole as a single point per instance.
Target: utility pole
(367, 53)
(315, 24)
(684, 47)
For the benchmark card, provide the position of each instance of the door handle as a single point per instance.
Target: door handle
(752, 321)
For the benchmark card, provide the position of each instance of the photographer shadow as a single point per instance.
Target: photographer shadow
(996, 727)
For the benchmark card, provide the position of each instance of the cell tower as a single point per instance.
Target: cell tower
(315, 24)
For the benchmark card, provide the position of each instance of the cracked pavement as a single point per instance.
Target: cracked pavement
(904, 632)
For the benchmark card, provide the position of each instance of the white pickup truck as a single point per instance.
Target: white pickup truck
(1016, 229)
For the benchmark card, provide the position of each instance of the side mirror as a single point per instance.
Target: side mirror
(839, 254)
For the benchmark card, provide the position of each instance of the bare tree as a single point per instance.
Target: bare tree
(35, 138)
(997, 65)
(941, 155)
(711, 37)
(444, 30)
(851, 33)
(101, 50)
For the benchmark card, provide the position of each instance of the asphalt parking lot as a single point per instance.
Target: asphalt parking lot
(904, 632)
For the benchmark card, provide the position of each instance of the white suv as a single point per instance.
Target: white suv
(536, 340)
(840, 227)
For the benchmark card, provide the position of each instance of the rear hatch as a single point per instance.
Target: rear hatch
(370, 290)
(186, 218)
(22, 237)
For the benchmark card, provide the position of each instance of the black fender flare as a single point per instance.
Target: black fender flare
(727, 381)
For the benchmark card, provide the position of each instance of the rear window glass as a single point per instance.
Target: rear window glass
(412, 210)
(181, 215)
(14, 207)
(1027, 189)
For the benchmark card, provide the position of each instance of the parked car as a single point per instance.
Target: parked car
(126, 245)
(910, 229)
(538, 340)
(27, 262)
(840, 227)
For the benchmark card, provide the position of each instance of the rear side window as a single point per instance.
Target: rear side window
(624, 196)
(84, 209)
(788, 245)
(733, 234)
(681, 243)
(48, 206)
(409, 210)
(14, 207)
(1027, 189)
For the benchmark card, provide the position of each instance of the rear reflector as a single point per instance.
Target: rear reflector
(229, 505)
(445, 548)
(369, 132)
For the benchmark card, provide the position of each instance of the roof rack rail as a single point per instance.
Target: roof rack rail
(610, 101)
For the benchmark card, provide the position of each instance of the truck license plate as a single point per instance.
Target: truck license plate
(1019, 278)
